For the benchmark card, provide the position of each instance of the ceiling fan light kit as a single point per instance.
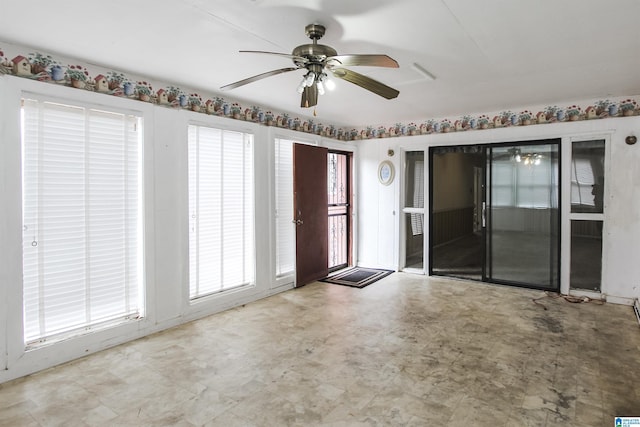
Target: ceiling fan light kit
(318, 60)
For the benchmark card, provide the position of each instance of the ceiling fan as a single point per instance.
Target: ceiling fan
(317, 60)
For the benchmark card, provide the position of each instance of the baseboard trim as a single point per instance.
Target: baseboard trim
(620, 300)
(588, 294)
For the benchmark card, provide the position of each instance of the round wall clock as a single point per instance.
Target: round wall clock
(386, 172)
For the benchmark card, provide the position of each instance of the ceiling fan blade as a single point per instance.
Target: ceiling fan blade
(370, 60)
(258, 77)
(366, 83)
(286, 55)
(309, 96)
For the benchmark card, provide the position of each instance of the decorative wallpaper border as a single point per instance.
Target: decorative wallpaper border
(601, 109)
(45, 68)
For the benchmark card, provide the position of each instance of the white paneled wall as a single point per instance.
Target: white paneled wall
(165, 223)
(621, 246)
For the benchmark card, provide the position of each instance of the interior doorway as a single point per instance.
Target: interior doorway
(495, 213)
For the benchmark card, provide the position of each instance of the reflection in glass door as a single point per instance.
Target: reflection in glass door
(522, 237)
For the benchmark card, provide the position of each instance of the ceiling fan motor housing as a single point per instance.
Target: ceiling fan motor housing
(314, 53)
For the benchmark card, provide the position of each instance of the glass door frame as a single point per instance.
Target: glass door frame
(486, 238)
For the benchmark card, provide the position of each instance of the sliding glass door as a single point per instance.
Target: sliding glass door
(495, 213)
(522, 215)
(457, 194)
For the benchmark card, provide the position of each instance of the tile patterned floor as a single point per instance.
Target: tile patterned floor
(405, 351)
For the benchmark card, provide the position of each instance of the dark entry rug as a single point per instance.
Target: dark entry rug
(357, 277)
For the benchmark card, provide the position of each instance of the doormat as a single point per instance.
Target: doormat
(357, 277)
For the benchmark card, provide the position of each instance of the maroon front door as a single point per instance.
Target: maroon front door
(310, 212)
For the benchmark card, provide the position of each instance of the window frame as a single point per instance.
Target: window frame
(596, 217)
(203, 300)
(14, 351)
(88, 111)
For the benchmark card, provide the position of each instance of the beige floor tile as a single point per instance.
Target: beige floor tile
(408, 350)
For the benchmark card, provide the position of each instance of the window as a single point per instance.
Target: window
(82, 222)
(221, 212)
(587, 214)
(285, 232)
(414, 194)
(414, 210)
(417, 225)
(587, 176)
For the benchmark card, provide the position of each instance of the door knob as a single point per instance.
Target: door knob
(297, 222)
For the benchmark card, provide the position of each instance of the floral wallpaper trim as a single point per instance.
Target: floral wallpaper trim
(600, 109)
(45, 68)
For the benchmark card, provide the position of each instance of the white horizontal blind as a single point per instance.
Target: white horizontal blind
(82, 229)
(583, 179)
(285, 232)
(221, 210)
(417, 219)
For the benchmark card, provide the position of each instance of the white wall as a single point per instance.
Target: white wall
(621, 235)
(378, 208)
(165, 221)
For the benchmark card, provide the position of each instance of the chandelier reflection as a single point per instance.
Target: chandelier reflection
(527, 159)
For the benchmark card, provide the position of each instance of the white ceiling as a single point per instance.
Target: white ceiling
(487, 55)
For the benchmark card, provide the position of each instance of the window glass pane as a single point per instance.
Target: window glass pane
(337, 236)
(337, 178)
(81, 218)
(414, 181)
(221, 238)
(587, 176)
(586, 255)
(285, 230)
(414, 242)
